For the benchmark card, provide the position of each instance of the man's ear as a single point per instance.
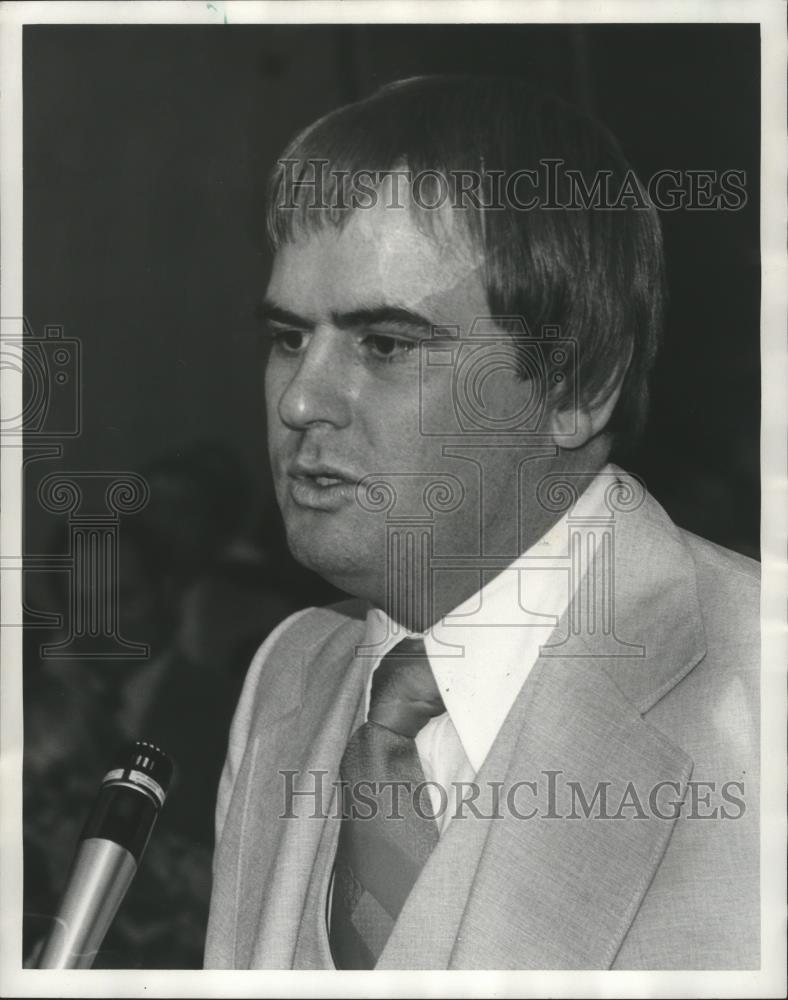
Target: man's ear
(572, 428)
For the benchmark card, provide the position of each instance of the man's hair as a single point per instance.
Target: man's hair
(592, 270)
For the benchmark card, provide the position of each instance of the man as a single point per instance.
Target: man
(530, 740)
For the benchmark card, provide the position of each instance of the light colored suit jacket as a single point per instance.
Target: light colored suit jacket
(588, 892)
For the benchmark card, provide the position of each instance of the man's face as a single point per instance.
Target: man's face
(347, 310)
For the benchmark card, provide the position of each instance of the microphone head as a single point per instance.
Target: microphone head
(131, 797)
(145, 767)
(146, 760)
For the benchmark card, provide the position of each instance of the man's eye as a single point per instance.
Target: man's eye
(387, 348)
(289, 341)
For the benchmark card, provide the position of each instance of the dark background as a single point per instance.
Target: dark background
(145, 156)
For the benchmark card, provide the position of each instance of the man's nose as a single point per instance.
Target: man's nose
(319, 390)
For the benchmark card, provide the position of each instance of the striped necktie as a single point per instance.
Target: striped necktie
(388, 828)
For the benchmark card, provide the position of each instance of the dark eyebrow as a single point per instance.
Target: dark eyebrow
(354, 318)
(382, 316)
(267, 310)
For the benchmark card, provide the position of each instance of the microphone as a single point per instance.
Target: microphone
(110, 848)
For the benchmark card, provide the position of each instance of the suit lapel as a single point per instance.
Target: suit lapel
(279, 853)
(507, 889)
(556, 888)
(562, 892)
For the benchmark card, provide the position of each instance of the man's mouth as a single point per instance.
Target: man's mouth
(320, 487)
(326, 480)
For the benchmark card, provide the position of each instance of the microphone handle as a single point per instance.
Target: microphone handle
(99, 879)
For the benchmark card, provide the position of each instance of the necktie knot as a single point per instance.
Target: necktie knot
(404, 695)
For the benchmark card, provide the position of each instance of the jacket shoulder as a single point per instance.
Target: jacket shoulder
(728, 585)
(316, 625)
(276, 676)
(298, 641)
(717, 558)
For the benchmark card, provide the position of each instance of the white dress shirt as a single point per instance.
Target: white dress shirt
(482, 651)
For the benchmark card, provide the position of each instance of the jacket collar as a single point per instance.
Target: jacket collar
(656, 633)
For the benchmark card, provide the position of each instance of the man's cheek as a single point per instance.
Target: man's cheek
(277, 446)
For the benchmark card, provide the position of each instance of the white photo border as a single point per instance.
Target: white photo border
(770, 980)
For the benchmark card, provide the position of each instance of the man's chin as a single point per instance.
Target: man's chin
(338, 562)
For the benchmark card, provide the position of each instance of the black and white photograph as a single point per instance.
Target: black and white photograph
(394, 499)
